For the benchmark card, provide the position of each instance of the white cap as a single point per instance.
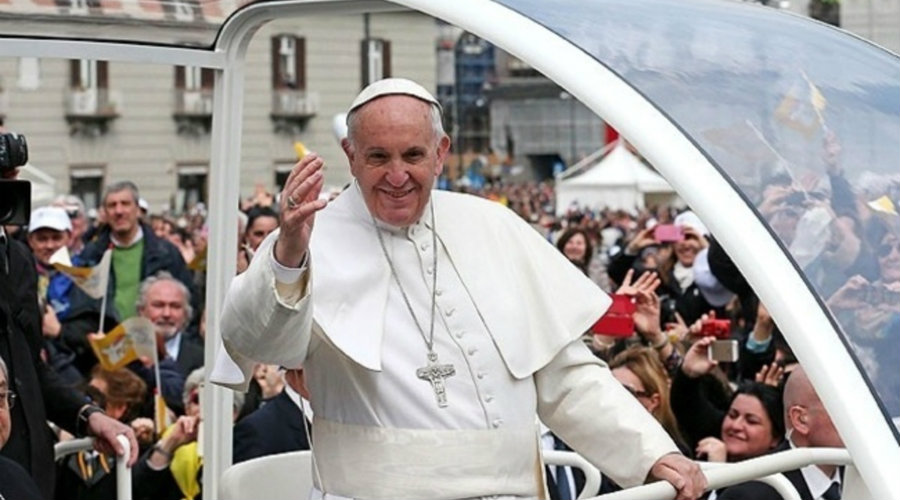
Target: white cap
(690, 219)
(710, 287)
(49, 217)
(393, 86)
(143, 205)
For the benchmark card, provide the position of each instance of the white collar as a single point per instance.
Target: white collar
(173, 345)
(121, 244)
(815, 479)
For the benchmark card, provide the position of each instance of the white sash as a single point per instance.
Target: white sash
(376, 463)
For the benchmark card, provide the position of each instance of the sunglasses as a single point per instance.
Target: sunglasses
(885, 248)
(636, 393)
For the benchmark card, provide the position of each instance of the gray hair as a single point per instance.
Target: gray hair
(437, 123)
(196, 378)
(69, 200)
(166, 276)
(193, 381)
(4, 370)
(120, 186)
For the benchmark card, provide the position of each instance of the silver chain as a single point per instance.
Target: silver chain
(429, 340)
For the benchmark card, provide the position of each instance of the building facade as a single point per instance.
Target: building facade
(90, 123)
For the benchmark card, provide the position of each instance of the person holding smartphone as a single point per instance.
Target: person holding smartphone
(723, 427)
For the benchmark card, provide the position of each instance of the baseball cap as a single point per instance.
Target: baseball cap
(49, 217)
(393, 86)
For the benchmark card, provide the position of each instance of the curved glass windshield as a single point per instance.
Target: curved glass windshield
(165, 22)
(805, 121)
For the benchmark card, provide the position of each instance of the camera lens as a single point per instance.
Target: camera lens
(13, 151)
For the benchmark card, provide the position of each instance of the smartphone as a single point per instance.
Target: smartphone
(723, 351)
(665, 233)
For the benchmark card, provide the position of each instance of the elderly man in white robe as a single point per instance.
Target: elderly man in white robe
(433, 328)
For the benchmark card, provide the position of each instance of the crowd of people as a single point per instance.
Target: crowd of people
(759, 403)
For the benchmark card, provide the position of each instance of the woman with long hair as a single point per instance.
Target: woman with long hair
(641, 372)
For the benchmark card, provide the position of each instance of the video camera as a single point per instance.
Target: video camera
(15, 195)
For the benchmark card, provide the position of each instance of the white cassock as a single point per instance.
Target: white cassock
(510, 313)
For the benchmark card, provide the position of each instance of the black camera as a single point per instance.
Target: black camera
(15, 196)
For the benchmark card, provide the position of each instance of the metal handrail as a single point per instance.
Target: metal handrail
(123, 472)
(755, 469)
(64, 448)
(572, 459)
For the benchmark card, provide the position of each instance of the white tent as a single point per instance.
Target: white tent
(43, 185)
(616, 180)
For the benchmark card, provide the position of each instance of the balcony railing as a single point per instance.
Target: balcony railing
(294, 104)
(92, 104)
(194, 102)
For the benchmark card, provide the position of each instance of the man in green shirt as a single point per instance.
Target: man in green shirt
(137, 251)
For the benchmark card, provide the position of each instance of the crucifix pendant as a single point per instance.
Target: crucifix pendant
(435, 373)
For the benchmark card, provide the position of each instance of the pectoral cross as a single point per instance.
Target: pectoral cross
(435, 373)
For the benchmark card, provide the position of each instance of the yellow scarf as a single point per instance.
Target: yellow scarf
(185, 465)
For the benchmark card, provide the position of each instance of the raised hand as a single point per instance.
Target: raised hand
(648, 282)
(712, 450)
(696, 359)
(299, 204)
(642, 239)
(770, 375)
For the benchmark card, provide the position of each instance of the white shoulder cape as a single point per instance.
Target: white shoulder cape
(532, 299)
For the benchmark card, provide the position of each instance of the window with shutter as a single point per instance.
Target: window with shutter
(375, 61)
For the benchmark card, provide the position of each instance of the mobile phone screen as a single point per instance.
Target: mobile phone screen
(724, 351)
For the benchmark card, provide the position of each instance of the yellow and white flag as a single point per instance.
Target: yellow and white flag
(803, 107)
(114, 350)
(133, 338)
(160, 413)
(883, 205)
(301, 150)
(93, 280)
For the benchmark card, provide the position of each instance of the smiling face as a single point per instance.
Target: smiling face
(747, 429)
(575, 248)
(889, 258)
(395, 157)
(45, 241)
(686, 251)
(166, 307)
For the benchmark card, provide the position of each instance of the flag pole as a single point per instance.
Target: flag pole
(105, 294)
(159, 420)
(103, 312)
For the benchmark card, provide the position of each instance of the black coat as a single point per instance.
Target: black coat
(159, 255)
(15, 483)
(278, 427)
(755, 490)
(41, 393)
(190, 355)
